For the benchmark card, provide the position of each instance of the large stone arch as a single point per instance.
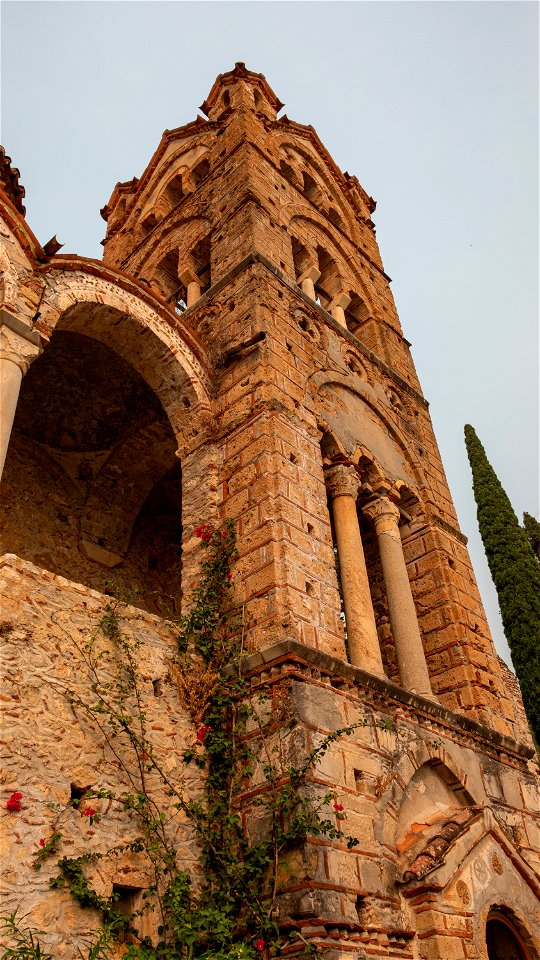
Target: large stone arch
(347, 426)
(167, 355)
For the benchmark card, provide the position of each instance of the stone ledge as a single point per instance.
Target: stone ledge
(294, 650)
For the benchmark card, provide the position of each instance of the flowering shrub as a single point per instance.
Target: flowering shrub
(14, 802)
(233, 913)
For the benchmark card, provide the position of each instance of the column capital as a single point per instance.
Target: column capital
(18, 343)
(312, 273)
(382, 510)
(342, 481)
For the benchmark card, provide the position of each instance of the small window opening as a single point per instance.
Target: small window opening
(310, 588)
(127, 901)
(77, 794)
(157, 686)
(310, 528)
(293, 458)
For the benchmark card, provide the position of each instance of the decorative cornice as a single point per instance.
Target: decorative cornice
(290, 652)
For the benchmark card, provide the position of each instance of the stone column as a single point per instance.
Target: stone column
(308, 279)
(338, 305)
(19, 345)
(342, 484)
(408, 641)
(192, 284)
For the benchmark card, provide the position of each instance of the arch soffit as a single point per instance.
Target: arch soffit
(365, 393)
(329, 181)
(168, 355)
(292, 213)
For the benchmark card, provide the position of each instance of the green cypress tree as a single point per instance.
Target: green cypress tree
(515, 573)
(531, 527)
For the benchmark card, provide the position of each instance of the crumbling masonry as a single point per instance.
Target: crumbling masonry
(237, 354)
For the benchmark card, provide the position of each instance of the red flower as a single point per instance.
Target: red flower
(224, 534)
(204, 532)
(42, 842)
(14, 802)
(202, 731)
(338, 807)
(89, 812)
(229, 577)
(260, 944)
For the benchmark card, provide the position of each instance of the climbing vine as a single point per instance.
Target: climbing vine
(229, 909)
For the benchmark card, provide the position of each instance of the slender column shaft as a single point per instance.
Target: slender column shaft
(193, 293)
(363, 642)
(19, 346)
(408, 641)
(10, 384)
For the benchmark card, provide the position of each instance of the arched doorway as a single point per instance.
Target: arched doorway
(503, 941)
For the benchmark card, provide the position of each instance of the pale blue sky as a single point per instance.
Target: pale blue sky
(433, 105)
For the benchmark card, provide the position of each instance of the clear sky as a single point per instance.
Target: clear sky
(433, 105)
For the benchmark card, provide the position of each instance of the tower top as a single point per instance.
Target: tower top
(228, 89)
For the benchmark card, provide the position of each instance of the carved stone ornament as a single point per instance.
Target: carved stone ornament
(342, 481)
(381, 509)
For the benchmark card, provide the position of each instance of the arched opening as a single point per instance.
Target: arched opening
(301, 258)
(174, 190)
(200, 259)
(503, 940)
(329, 281)
(166, 277)
(289, 173)
(310, 187)
(356, 313)
(200, 173)
(92, 486)
(335, 218)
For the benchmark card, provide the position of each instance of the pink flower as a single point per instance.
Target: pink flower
(14, 802)
(89, 812)
(42, 842)
(202, 731)
(260, 944)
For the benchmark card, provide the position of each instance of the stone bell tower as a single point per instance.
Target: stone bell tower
(243, 289)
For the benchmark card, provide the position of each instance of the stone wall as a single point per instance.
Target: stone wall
(54, 749)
